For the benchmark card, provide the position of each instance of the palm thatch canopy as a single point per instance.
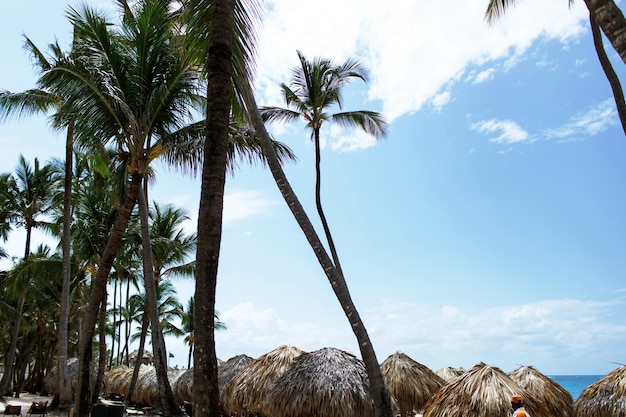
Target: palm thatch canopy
(544, 391)
(324, 383)
(51, 383)
(246, 391)
(409, 382)
(449, 373)
(146, 359)
(182, 388)
(482, 391)
(604, 398)
(227, 370)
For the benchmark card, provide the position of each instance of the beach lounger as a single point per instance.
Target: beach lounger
(38, 408)
(13, 410)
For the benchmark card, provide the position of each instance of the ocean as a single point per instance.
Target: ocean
(575, 384)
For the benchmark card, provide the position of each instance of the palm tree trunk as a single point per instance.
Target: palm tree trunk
(10, 358)
(142, 344)
(219, 93)
(102, 349)
(98, 289)
(378, 389)
(170, 408)
(611, 19)
(65, 396)
(616, 86)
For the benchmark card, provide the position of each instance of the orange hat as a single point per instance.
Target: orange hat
(517, 399)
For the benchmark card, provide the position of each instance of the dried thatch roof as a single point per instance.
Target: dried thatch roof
(449, 373)
(544, 391)
(324, 383)
(604, 398)
(409, 382)
(119, 380)
(248, 389)
(147, 358)
(183, 386)
(227, 370)
(51, 383)
(483, 391)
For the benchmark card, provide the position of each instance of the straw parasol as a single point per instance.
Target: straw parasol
(146, 359)
(246, 391)
(482, 391)
(51, 383)
(449, 373)
(409, 382)
(324, 383)
(183, 386)
(227, 370)
(604, 398)
(544, 391)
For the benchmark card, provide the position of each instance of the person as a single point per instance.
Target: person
(517, 402)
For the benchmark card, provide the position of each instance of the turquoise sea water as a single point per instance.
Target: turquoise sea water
(574, 384)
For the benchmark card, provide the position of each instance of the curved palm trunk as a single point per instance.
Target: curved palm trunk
(219, 68)
(142, 345)
(166, 396)
(616, 86)
(611, 19)
(378, 389)
(318, 201)
(65, 396)
(81, 402)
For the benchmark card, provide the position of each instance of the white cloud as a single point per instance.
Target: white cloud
(590, 122)
(483, 76)
(411, 55)
(240, 205)
(509, 131)
(550, 334)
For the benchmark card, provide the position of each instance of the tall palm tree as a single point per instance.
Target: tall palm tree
(30, 200)
(315, 89)
(35, 101)
(223, 30)
(378, 389)
(604, 14)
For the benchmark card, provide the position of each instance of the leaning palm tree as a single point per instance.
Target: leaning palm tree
(316, 88)
(377, 387)
(602, 14)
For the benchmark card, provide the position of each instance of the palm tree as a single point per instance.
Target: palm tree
(30, 200)
(226, 43)
(604, 14)
(35, 101)
(188, 329)
(378, 389)
(315, 88)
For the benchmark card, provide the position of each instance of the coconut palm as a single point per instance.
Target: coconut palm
(30, 200)
(602, 14)
(187, 326)
(316, 88)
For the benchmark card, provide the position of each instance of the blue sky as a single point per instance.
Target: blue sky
(490, 225)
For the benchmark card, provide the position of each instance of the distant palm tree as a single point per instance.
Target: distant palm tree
(30, 200)
(316, 88)
(188, 327)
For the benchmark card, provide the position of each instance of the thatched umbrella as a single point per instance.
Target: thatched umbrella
(544, 391)
(324, 383)
(449, 373)
(183, 386)
(483, 391)
(119, 380)
(247, 390)
(604, 398)
(146, 359)
(409, 382)
(227, 370)
(51, 383)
